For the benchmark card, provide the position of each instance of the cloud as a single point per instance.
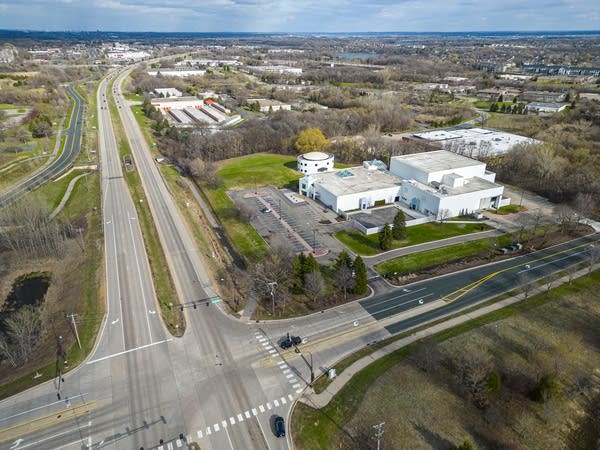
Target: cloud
(303, 15)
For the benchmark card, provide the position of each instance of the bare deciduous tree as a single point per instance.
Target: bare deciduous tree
(24, 328)
(443, 215)
(427, 355)
(314, 285)
(473, 370)
(344, 279)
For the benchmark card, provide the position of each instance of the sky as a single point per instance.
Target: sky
(300, 15)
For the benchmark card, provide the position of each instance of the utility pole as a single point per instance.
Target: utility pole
(378, 433)
(310, 365)
(272, 285)
(72, 316)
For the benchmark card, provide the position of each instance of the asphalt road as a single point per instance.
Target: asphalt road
(223, 382)
(466, 288)
(59, 165)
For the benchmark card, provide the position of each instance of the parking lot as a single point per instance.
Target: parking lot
(283, 217)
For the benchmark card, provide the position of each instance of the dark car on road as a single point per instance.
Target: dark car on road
(290, 341)
(279, 426)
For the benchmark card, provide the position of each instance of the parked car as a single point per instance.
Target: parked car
(290, 341)
(279, 426)
(266, 210)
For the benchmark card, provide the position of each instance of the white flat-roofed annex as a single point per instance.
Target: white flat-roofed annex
(361, 180)
(437, 161)
(474, 184)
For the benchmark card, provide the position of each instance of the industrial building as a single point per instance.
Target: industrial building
(438, 183)
(474, 142)
(187, 111)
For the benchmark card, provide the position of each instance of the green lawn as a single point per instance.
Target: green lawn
(509, 209)
(429, 258)
(260, 168)
(369, 245)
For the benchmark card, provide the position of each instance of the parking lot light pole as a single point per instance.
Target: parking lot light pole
(272, 286)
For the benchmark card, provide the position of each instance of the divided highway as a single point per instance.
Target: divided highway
(51, 170)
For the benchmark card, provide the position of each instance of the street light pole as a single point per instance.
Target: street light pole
(310, 365)
(272, 286)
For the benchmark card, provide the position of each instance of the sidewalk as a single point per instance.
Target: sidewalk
(310, 398)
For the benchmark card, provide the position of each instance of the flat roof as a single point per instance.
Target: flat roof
(473, 140)
(474, 184)
(437, 161)
(360, 180)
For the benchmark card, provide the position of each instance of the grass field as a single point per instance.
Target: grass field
(369, 245)
(260, 169)
(248, 172)
(549, 330)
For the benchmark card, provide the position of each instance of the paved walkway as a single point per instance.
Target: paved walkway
(320, 400)
(67, 194)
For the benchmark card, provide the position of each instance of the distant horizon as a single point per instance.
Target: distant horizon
(291, 33)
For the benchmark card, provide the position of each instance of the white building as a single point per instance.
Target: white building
(475, 142)
(442, 182)
(315, 162)
(168, 92)
(432, 183)
(353, 188)
(540, 107)
(181, 73)
(267, 105)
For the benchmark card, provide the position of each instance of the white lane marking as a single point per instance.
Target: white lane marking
(297, 385)
(287, 371)
(128, 351)
(232, 420)
(240, 418)
(199, 433)
(151, 311)
(262, 408)
(269, 406)
(263, 432)
(118, 284)
(169, 446)
(262, 339)
(208, 431)
(216, 427)
(281, 363)
(276, 403)
(254, 411)
(89, 424)
(115, 321)
(247, 414)
(272, 351)
(283, 400)
(179, 443)
(224, 423)
(293, 380)
(298, 391)
(291, 397)
(40, 407)
(229, 439)
(289, 375)
(268, 347)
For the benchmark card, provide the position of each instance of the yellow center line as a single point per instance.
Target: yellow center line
(461, 292)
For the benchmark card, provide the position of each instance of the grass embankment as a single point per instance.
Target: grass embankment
(81, 291)
(163, 283)
(369, 245)
(248, 172)
(392, 388)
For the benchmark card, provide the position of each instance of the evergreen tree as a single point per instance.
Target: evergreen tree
(343, 260)
(360, 275)
(310, 264)
(399, 230)
(385, 237)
